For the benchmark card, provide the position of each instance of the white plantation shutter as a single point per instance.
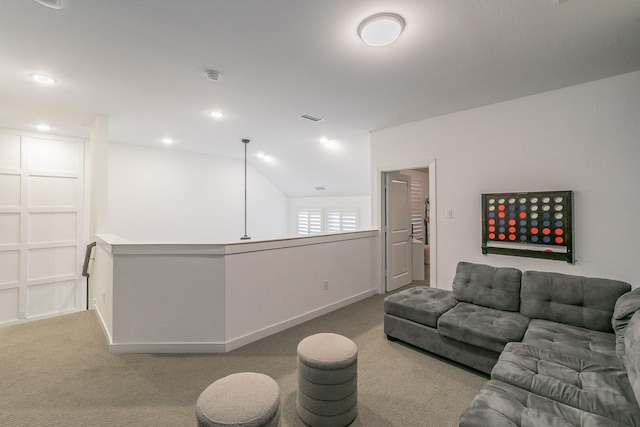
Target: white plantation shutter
(417, 207)
(342, 220)
(333, 220)
(309, 221)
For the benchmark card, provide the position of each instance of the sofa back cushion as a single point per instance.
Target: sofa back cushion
(574, 300)
(493, 287)
(632, 353)
(625, 308)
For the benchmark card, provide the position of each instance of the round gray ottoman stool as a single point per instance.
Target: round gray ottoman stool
(327, 393)
(243, 399)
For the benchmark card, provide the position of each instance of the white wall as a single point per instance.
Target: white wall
(362, 203)
(270, 290)
(164, 195)
(214, 298)
(584, 138)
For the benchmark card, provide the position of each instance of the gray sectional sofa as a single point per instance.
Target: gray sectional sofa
(561, 350)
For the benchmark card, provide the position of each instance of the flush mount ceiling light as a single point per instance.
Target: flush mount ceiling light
(216, 114)
(167, 141)
(381, 29)
(42, 79)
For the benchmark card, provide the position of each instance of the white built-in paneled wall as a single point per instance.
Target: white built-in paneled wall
(41, 218)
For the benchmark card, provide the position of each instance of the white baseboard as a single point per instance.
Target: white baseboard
(279, 327)
(217, 347)
(177, 347)
(103, 324)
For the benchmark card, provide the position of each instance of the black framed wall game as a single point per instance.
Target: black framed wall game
(533, 224)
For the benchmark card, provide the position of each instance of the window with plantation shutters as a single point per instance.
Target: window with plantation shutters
(417, 209)
(309, 221)
(331, 220)
(342, 220)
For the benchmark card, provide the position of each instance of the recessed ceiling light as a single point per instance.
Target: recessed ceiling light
(324, 140)
(167, 141)
(42, 79)
(331, 144)
(216, 114)
(381, 29)
(43, 127)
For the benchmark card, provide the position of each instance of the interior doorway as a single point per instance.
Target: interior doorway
(421, 237)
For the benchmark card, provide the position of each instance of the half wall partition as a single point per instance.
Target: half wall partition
(168, 297)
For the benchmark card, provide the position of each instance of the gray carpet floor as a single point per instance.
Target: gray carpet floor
(59, 372)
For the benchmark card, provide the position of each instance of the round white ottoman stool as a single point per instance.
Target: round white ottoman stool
(327, 393)
(244, 399)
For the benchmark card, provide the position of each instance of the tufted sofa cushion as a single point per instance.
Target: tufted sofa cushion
(499, 404)
(624, 309)
(481, 326)
(581, 342)
(572, 381)
(493, 287)
(420, 304)
(574, 300)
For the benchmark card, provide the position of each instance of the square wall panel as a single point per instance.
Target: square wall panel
(9, 304)
(9, 191)
(51, 298)
(52, 227)
(9, 266)
(45, 191)
(52, 155)
(51, 262)
(9, 151)
(10, 229)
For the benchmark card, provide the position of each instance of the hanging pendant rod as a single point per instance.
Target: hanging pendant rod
(245, 237)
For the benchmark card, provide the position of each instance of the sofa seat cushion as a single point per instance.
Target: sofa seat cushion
(580, 342)
(421, 304)
(570, 380)
(481, 326)
(499, 404)
(493, 287)
(575, 300)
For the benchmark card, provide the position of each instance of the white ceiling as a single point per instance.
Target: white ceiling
(142, 63)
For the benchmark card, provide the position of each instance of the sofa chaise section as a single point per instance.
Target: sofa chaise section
(470, 324)
(412, 316)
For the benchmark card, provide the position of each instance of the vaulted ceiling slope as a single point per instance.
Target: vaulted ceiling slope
(142, 63)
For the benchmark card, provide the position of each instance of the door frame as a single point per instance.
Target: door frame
(381, 208)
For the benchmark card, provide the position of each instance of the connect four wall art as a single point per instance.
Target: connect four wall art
(534, 224)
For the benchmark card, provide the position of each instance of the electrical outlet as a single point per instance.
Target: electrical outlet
(326, 285)
(449, 213)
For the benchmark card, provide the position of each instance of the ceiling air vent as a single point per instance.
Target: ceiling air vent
(311, 117)
(320, 188)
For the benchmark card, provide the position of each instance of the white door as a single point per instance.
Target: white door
(398, 231)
